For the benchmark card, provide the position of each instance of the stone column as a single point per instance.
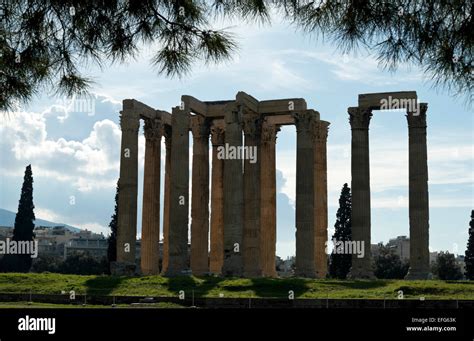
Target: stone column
(151, 199)
(179, 194)
(252, 265)
(268, 199)
(233, 195)
(166, 199)
(418, 195)
(305, 229)
(128, 191)
(200, 197)
(360, 168)
(217, 202)
(321, 198)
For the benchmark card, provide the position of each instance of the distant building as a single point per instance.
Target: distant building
(461, 263)
(94, 247)
(400, 246)
(433, 257)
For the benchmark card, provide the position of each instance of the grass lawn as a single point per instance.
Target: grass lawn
(49, 283)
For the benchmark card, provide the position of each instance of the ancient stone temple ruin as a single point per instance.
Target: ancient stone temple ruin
(233, 201)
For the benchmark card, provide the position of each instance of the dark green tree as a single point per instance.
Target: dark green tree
(340, 264)
(446, 268)
(24, 226)
(388, 264)
(469, 255)
(112, 240)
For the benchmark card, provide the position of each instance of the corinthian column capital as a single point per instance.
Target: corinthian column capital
(359, 117)
(153, 129)
(252, 124)
(269, 132)
(305, 121)
(129, 121)
(217, 135)
(200, 127)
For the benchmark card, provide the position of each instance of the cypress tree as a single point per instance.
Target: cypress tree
(340, 264)
(24, 226)
(112, 240)
(469, 255)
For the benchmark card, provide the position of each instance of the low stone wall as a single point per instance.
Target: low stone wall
(244, 303)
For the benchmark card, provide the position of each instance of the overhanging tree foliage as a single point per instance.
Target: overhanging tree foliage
(436, 35)
(43, 43)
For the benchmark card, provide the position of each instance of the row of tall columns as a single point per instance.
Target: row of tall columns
(418, 192)
(243, 200)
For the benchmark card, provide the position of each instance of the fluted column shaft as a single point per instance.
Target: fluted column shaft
(233, 197)
(128, 187)
(179, 194)
(151, 198)
(418, 194)
(166, 199)
(217, 203)
(252, 264)
(321, 193)
(360, 169)
(200, 197)
(268, 199)
(305, 229)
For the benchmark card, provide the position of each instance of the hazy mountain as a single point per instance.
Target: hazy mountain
(7, 218)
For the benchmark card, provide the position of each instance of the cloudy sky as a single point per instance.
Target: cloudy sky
(75, 153)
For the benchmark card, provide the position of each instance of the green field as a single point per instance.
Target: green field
(49, 283)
